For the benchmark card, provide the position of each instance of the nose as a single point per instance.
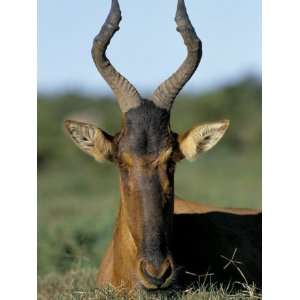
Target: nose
(154, 277)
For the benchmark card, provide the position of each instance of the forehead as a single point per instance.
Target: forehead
(146, 129)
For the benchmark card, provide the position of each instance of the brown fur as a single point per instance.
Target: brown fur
(158, 240)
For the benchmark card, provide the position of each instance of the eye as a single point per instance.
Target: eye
(164, 157)
(171, 166)
(125, 160)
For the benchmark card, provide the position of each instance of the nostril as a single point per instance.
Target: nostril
(167, 273)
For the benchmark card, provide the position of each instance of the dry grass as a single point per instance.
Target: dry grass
(79, 283)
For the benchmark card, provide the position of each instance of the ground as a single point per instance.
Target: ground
(79, 284)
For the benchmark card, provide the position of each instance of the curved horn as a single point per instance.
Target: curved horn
(166, 93)
(126, 94)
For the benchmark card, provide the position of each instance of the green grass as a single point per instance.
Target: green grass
(78, 198)
(79, 284)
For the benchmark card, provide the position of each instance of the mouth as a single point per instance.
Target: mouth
(156, 288)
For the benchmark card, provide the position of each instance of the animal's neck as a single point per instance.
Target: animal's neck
(123, 236)
(125, 249)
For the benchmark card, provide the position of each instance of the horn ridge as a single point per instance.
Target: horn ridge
(126, 94)
(166, 93)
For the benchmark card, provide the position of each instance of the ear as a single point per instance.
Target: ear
(90, 139)
(201, 138)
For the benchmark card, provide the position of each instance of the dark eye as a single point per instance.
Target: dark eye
(125, 161)
(171, 166)
(123, 164)
(124, 168)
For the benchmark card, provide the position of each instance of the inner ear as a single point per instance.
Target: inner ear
(201, 138)
(90, 139)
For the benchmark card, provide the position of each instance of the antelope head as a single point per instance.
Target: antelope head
(146, 150)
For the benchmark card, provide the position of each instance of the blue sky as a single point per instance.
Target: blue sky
(147, 49)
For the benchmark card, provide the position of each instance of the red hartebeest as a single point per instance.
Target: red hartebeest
(159, 240)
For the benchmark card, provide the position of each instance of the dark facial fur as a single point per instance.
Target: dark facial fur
(148, 182)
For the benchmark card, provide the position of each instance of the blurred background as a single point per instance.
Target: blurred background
(77, 197)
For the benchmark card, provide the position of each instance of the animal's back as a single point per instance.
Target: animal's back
(190, 207)
(206, 238)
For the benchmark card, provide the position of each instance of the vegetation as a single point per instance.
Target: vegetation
(79, 284)
(78, 198)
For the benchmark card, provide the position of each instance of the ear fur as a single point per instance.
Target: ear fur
(90, 139)
(202, 138)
